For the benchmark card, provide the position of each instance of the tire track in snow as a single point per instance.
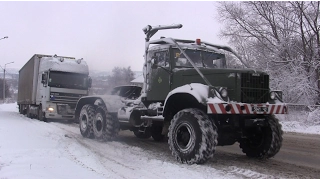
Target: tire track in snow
(52, 134)
(103, 158)
(129, 161)
(162, 155)
(110, 157)
(247, 173)
(77, 160)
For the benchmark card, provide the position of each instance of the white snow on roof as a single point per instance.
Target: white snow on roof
(139, 79)
(67, 65)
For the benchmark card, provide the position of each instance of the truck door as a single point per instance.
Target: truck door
(159, 76)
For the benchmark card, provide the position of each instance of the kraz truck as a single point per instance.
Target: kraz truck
(50, 86)
(192, 97)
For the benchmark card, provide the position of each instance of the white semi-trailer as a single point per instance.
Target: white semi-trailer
(50, 86)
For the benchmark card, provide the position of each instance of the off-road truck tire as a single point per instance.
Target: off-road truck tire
(85, 121)
(104, 126)
(192, 136)
(264, 142)
(99, 123)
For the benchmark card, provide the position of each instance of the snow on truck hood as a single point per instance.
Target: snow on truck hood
(67, 65)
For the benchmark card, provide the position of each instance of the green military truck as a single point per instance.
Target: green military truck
(190, 96)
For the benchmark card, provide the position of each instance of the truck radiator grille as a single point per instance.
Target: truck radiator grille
(65, 98)
(254, 88)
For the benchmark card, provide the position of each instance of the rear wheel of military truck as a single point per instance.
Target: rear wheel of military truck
(263, 142)
(192, 136)
(104, 125)
(85, 121)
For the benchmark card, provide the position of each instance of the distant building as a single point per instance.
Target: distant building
(138, 81)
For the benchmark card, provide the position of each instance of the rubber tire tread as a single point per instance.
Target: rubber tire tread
(274, 141)
(111, 126)
(99, 135)
(207, 139)
(90, 111)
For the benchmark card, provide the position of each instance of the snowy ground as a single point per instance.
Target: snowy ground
(33, 149)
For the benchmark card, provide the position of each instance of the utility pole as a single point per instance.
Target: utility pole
(4, 81)
(4, 75)
(4, 85)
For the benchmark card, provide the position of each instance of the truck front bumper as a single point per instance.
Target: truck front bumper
(59, 111)
(243, 108)
(52, 115)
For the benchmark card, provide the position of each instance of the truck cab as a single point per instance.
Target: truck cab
(55, 85)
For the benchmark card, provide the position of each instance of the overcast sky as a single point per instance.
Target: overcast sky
(106, 34)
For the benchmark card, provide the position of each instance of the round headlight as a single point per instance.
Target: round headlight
(272, 95)
(224, 92)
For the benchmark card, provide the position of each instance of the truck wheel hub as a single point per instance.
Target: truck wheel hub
(184, 138)
(83, 122)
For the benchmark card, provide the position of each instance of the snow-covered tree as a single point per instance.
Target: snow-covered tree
(120, 76)
(279, 37)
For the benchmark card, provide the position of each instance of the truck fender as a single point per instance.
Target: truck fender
(199, 91)
(112, 102)
(83, 101)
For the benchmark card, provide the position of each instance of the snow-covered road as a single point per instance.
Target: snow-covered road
(33, 149)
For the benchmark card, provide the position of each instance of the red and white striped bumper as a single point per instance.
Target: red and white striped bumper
(241, 108)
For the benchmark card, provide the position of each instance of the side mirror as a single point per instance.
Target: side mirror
(44, 78)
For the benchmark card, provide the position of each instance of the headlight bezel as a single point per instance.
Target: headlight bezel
(223, 92)
(275, 95)
(272, 95)
(220, 92)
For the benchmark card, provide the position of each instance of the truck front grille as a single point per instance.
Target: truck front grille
(65, 98)
(254, 88)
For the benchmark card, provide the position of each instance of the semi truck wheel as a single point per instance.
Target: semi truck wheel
(104, 126)
(29, 115)
(85, 120)
(263, 142)
(41, 115)
(20, 109)
(192, 136)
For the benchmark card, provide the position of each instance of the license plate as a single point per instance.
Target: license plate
(259, 109)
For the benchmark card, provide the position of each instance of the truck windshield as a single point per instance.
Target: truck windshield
(68, 80)
(200, 58)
